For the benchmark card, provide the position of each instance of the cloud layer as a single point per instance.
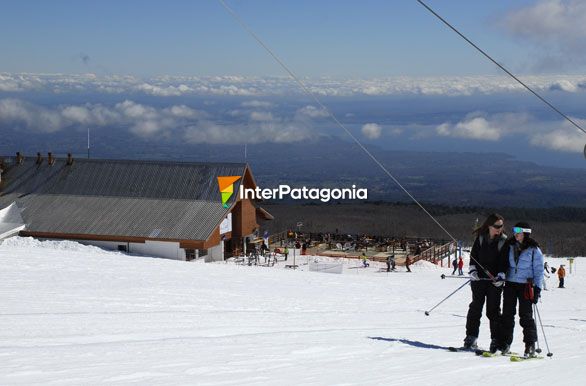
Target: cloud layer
(167, 86)
(179, 121)
(264, 123)
(558, 135)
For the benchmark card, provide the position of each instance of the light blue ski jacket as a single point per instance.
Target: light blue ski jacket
(529, 265)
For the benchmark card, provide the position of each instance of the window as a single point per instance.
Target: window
(190, 254)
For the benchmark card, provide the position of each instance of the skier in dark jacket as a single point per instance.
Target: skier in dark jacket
(487, 262)
(524, 285)
(455, 265)
(408, 263)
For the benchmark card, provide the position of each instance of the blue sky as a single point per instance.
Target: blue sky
(186, 71)
(317, 38)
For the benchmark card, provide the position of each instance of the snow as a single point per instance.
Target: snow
(10, 221)
(73, 314)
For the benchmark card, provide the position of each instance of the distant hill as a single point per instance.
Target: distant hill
(560, 231)
(461, 179)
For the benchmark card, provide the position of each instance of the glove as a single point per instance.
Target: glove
(499, 280)
(536, 294)
(473, 273)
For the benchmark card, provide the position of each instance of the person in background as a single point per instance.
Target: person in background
(460, 267)
(408, 263)
(455, 264)
(545, 275)
(263, 251)
(418, 250)
(364, 260)
(487, 275)
(561, 275)
(524, 282)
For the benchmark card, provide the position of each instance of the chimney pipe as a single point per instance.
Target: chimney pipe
(39, 158)
(50, 159)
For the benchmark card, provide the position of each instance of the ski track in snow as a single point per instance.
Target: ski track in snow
(78, 315)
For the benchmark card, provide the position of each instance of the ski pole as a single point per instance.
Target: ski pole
(538, 349)
(443, 276)
(549, 353)
(446, 298)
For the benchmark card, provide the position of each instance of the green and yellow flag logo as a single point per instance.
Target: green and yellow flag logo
(226, 184)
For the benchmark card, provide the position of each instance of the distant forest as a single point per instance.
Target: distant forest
(560, 231)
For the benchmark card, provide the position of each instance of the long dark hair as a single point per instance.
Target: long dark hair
(490, 220)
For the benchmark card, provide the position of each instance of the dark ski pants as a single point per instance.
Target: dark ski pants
(561, 283)
(482, 291)
(513, 293)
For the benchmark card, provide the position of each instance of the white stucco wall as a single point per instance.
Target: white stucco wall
(164, 249)
(215, 253)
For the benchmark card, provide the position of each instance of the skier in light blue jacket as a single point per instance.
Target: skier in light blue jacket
(524, 282)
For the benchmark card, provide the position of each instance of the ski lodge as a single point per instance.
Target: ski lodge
(158, 208)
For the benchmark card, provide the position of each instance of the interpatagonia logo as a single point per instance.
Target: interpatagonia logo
(226, 184)
(304, 193)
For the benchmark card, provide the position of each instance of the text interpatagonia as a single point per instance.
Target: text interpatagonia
(304, 193)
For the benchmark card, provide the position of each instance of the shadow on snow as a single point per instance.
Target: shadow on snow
(413, 343)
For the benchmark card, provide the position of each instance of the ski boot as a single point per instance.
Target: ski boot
(505, 349)
(470, 343)
(494, 346)
(529, 350)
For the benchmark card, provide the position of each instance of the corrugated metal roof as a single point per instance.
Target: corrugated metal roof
(120, 178)
(137, 217)
(119, 197)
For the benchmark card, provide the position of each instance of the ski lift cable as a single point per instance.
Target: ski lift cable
(502, 67)
(330, 114)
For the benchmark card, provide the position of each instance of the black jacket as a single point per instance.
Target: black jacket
(490, 254)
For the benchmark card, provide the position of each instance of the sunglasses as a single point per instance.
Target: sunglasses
(517, 230)
(497, 226)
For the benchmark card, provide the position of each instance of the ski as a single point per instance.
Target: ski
(485, 354)
(463, 349)
(518, 358)
(488, 354)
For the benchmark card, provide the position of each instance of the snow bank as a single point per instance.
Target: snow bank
(73, 315)
(62, 245)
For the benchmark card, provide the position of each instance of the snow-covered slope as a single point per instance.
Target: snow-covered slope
(77, 315)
